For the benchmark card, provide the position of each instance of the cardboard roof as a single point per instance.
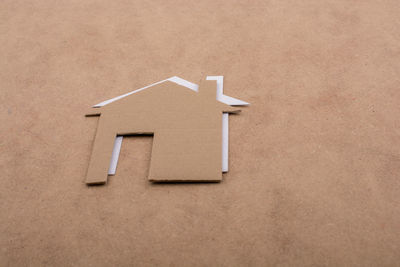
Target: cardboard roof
(192, 86)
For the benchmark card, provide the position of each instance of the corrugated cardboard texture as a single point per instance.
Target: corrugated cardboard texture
(314, 162)
(186, 128)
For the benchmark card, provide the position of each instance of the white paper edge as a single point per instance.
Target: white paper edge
(220, 93)
(225, 141)
(115, 155)
(174, 79)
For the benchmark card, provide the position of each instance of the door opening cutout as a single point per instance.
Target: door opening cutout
(143, 144)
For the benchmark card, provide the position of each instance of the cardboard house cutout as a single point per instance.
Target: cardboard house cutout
(189, 125)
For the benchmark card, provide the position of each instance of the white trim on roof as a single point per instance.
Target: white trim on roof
(185, 83)
(192, 86)
(220, 93)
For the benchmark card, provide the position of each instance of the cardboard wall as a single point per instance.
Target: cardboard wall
(314, 162)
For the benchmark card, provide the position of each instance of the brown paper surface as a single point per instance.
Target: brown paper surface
(313, 163)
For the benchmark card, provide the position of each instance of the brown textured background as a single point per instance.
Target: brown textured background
(314, 163)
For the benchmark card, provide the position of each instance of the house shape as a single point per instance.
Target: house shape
(190, 129)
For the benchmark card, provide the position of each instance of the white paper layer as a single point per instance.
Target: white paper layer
(115, 155)
(225, 141)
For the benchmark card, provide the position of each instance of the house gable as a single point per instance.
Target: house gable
(165, 93)
(166, 105)
(189, 85)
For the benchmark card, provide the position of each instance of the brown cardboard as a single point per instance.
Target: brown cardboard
(186, 125)
(314, 163)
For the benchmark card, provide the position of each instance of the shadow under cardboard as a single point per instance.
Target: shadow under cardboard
(164, 183)
(180, 183)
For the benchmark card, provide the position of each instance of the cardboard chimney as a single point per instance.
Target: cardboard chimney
(189, 124)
